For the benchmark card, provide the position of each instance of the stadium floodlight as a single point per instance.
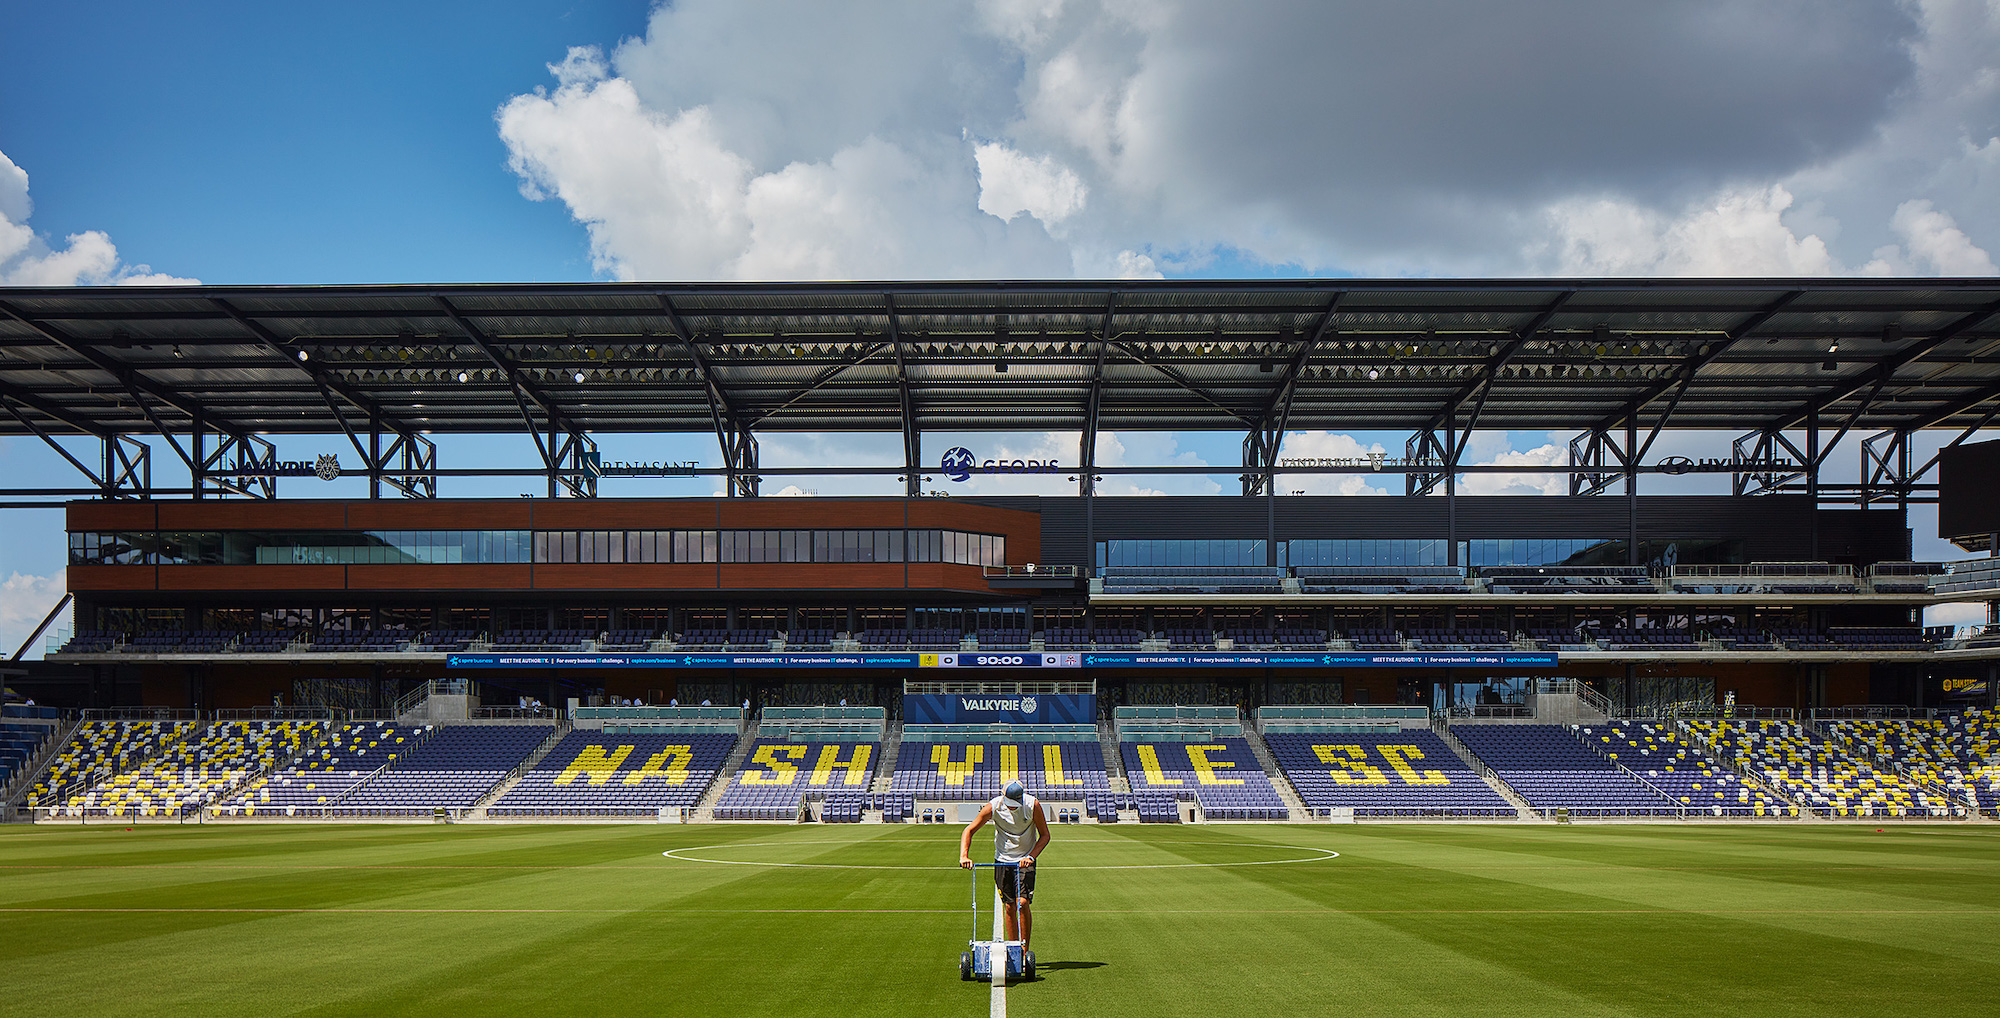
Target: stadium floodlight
(578, 376)
(1373, 374)
(463, 376)
(302, 355)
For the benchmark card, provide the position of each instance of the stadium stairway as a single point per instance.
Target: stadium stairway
(705, 811)
(1114, 761)
(1522, 810)
(1927, 778)
(1294, 805)
(1750, 776)
(417, 737)
(24, 779)
(885, 767)
(478, 810)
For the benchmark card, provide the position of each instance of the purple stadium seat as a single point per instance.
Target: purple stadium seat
(1221, 774)
(1407, 773)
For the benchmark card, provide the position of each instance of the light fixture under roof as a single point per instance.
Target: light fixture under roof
(578, 376)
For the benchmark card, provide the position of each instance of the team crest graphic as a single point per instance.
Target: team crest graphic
(327, 467)
(958, 463)
(1027, 705)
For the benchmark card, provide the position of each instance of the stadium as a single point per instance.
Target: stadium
(1299, 750)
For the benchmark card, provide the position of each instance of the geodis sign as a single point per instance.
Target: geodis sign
(959, 464)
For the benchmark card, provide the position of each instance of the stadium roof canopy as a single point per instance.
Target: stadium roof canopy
(1339, 354)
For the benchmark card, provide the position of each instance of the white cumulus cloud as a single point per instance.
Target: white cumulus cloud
(1011, 183)
(26, 259)
(1499, 483)
(24, 599)
(1324, 446)
(1129, 138)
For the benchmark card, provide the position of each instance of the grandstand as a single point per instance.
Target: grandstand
(1666, 759)
(1407, 773)
(1223, 777)
(778, 777)
(591, 774)
(1812, 772)
(1647, 655)
(452, 768)
(328, 772)
(976, 771)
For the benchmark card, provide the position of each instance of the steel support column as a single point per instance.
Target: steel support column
(407, 465)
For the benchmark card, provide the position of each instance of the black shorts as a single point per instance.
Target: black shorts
(1005, 877)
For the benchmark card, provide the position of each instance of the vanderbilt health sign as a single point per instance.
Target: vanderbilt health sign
(999, 708)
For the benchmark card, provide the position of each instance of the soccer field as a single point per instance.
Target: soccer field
(1208, 920)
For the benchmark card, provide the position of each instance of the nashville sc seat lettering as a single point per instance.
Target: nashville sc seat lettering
(778, 764)
(597, 767)
(1351, 766)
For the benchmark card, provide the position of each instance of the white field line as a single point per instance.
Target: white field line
(997, 966)
(1324, 855)
(1329, 911)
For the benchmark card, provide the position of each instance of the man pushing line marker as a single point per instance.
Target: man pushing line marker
(1020, 833)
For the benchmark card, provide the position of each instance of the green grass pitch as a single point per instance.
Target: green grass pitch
(286, 920)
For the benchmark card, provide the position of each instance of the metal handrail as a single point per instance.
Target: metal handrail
(1028, 572)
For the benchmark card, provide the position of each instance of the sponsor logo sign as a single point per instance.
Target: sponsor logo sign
(959, 464)
(977, 708)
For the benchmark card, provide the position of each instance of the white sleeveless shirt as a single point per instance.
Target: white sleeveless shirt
(1013, 828)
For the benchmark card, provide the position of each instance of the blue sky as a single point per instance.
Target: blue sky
(293, 143)
(759, 139)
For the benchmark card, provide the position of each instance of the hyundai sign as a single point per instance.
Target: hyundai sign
(999, 708)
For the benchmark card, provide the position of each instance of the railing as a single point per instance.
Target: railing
(996, 688)
(512, 713)
(1873, 712)
(1471, 759)
(435, 687)
(998, 733)
(1662, 711)
(141, 714)
(1919, 569)
(1741, 713)
(1032, 572)
(1817, 570)
(275, 714)
(1967, 576)
(1591, 698)
(1292, 719)
(1491, 710)
(1602, 754)
(1728, 758)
